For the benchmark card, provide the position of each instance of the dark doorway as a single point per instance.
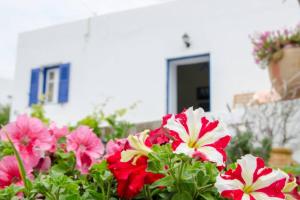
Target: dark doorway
(193, 87)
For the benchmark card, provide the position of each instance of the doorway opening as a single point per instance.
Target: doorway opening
(188, 83)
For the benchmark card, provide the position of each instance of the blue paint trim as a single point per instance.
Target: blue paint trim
(168, 86)
(34, 86)
(64, 77)
(169, 60)
(44, 79)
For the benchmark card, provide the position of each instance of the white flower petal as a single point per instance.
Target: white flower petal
(212, 155)
(212, 137)
(137, 142)
(246, 197)
(267, 180)
(263, 196)
(185, 149)
(227, 184)
(248, 164)
(174, 125)
(194, 122)
(127, 155)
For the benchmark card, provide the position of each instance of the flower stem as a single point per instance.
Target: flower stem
(108, 189)
(205, 187)
(182, 165)
(147, 193)
(20, 165)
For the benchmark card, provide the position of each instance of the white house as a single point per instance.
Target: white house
(6, 91)
(167, 56)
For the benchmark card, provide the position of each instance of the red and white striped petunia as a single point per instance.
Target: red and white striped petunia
(252, 180)
(197, 136)
(291, 188)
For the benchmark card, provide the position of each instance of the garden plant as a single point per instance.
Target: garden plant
(183, 159)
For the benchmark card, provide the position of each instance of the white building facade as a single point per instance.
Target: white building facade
(6, 91)
(152, 55)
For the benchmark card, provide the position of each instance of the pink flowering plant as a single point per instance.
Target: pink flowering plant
(184, 158)
(268, 45)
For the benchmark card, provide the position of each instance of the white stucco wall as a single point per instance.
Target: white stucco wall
(6, 91)
(123, 55)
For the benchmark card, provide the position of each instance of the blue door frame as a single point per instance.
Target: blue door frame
(170, 60)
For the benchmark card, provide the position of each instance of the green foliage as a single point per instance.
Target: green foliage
(118, 128)
(184, 177)
(4, 114)
(103, 180)
(57, 186)
(108, 126)
(63, 182)
(295, 170)
(92, 122)
(244, 143)
(38, 111)
(5, 149)
(98, 121)
(10, 193)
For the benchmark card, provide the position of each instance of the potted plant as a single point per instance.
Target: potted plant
(279, 51)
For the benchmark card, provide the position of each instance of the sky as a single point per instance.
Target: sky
(17, 16)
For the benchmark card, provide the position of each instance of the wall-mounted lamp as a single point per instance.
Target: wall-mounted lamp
(187, 40)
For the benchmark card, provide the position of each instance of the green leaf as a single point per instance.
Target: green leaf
(182, 196)
(166, 181)
(207, 196)
(58, 170)
(100, 167)
(202, 179)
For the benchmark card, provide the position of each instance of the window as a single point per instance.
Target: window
(51, 83)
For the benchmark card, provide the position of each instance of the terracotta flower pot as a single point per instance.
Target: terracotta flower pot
(281, 157)
(284, 71)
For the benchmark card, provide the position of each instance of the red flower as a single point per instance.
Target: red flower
(131, 178)
(159, 136)
(129, 166)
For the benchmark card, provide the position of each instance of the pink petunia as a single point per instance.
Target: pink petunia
(9, 172)
(114, 146)
(30, 137)
(87, 147)
(56, 133)
(196, 136)
(251, 180)
(44, 164)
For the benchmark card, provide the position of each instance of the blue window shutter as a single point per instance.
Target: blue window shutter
(64, 76)
(34, 86)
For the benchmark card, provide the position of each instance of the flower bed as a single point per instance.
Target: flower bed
(184, 158)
